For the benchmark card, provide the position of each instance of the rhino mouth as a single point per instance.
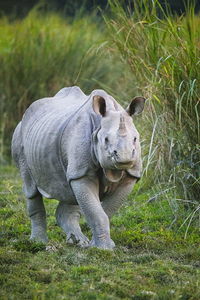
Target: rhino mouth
(121, 165)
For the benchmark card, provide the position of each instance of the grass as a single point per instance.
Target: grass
(163, 56)
(160, 60)
(45, 52)
(152, 259)
(157, 229)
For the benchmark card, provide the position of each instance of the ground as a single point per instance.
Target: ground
(153, 259)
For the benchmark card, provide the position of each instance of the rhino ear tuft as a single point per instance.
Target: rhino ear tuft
(136, 106)
(99, 105)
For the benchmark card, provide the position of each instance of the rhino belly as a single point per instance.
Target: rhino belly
(58, 191)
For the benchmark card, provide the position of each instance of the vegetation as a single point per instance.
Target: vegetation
(163, 54)
(147, 52)
(43, 53)
(152, 259)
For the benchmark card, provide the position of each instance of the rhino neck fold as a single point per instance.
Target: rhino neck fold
(93, 148)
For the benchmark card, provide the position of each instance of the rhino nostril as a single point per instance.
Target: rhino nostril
(133, 152)
(106, 140)
(115, 153)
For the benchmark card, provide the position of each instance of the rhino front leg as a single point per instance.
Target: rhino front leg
(68, 217)
(86, 191)
(37, 214)
(112, 202)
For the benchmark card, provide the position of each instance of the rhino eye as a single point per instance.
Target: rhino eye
(106, 140)
(134, 140)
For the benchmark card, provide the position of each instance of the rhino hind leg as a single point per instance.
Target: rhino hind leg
(35, 206)
(68, 217)
(37, 214)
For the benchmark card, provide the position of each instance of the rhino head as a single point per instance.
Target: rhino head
(116, 142)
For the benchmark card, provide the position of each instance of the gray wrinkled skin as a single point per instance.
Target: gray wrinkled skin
(83, 151)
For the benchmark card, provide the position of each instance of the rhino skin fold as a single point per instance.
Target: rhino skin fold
(83, 151)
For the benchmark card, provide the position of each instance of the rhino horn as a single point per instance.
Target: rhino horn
(122, 126)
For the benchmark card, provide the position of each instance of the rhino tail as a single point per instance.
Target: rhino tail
(16, 144)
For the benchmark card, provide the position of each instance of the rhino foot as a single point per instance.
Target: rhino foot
(106, 244)
(78, 239)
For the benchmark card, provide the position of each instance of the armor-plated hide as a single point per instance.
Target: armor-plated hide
(58, 142)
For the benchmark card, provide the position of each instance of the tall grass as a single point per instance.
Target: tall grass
(41, 54)
(141, 53)
(163, 54)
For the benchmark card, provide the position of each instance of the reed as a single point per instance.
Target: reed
(162, 52)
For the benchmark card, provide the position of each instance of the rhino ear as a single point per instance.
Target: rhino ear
(99, 105)
(136, 106)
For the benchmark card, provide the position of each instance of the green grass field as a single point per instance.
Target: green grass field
(152, 259)
(157, 231)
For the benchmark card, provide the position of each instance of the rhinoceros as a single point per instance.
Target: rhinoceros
(83, 151)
